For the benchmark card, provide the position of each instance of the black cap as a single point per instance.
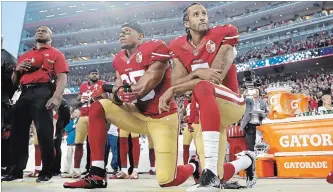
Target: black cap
(134, 25)
(93, 70)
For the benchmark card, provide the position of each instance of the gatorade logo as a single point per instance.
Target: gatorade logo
(294, 104)
(314, 140)
(308, 165)
(274, 100)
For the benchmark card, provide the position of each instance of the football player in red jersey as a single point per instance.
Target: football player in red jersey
(203, 64)
(143, 75)
(85, 99)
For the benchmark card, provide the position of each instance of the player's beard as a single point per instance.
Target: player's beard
(42, 40)
(196, 29)
(94, 80)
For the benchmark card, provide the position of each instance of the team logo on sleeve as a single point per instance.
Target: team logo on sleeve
(210, 46)
(138, 57)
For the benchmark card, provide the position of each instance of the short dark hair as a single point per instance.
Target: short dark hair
(134, 25)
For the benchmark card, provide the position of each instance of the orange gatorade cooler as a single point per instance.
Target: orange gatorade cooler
(313, 165)
(265, 166)
(299, 136)
(279, 103)
(300, 103)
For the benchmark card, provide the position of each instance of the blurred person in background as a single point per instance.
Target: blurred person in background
(70, 130)
(128, 145)
(313, 104)
(8, 62)
(113, 145)
(63, 117)
(319, 95)
(327, 101)
(256, 111)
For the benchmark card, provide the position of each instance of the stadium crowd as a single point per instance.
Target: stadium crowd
(289, 46)
(310, 84)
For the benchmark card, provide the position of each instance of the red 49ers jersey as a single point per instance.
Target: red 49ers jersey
(202, 56)
(133, 68)
(87, 90)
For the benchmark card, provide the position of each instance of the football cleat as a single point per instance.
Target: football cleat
(92, 180)
(74, 175)
(151, 172)
(33, 174)
(11, 177)
(134, 175)
(232, 185)
(251, 177)
(207, 182)
(119, 175)
(44, 179)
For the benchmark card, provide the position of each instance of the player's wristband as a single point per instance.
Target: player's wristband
(116, 99)
(107, 88)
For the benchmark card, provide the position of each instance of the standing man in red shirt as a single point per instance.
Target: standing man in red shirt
(42, 75)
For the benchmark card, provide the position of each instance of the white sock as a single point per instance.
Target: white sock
(211, 146)
(136, 170)
(194, 167)
(242, 163)
(99, 164)
(124, 170)
(153, 168)
(77, 170)
(38, 168)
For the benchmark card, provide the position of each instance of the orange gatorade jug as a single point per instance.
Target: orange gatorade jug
(279, 99)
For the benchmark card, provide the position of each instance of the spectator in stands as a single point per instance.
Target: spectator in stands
(327, 101)
(289, 46)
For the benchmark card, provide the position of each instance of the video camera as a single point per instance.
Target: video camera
(250, 78)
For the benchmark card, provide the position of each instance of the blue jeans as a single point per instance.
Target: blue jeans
(113, 144)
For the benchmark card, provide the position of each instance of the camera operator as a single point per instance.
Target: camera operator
(256, 108)
(7, 90)
(42, 75)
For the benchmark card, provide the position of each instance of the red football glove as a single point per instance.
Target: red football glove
(126, 95)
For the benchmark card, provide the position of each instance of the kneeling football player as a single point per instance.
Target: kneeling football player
(203, 63)
(143, 75)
